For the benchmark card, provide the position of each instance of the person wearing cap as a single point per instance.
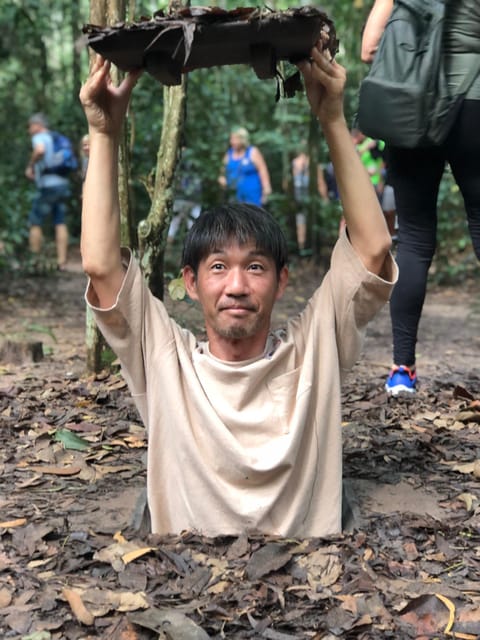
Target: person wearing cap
(52, 190)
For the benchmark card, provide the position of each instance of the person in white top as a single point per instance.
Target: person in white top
(244, 430)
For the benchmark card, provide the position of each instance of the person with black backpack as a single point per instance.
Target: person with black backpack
(51, 160)
(416, 169)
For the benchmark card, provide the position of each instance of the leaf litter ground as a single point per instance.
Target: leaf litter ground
(72, 465)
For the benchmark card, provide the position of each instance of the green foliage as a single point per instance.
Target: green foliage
(43, 58)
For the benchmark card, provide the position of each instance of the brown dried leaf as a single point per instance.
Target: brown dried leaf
(179, 626)
(79, 610)
(323, 567)
(56, 471)
(268, 558)
(427, 614)
(12, 524)
(5, 597)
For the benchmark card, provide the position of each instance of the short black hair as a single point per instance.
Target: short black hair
(239, 222)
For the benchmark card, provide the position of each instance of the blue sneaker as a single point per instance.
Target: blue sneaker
(401, 380)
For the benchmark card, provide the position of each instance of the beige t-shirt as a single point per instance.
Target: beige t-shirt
(245, 446)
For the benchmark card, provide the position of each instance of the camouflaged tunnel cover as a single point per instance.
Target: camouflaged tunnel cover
(169, 44)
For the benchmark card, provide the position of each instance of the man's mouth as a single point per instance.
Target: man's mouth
(238, 308)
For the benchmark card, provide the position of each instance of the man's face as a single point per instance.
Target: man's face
(237, 142)
(237, 287)
(34, 127)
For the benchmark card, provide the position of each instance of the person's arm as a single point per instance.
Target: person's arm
(322, 184)
(367, 229)
(105, 107)
(37, 154)
(376, 21)
(259, 161)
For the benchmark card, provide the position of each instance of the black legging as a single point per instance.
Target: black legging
(415, 175)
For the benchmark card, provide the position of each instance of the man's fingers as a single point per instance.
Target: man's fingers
(131, 79)
(99, 70)
(98, 62)
(305, 68)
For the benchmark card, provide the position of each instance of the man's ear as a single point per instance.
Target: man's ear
(282, 282)
(190, 281)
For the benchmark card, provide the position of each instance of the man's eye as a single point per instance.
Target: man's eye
(256, 267)
(217, 266)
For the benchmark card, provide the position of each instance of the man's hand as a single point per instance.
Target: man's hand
(324, 82)
(105, 105)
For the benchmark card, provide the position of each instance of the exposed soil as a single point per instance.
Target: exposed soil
(72, 467)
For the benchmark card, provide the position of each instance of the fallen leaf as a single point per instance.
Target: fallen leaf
(468, 499)
(56, 471)
(451, 611)
(130, 556)
(179, 626)
(79, 610)
(268, 558)
(476, 468)
(102, 601)
(121, 553)
(12, 524)
(5, 598)
(70, 440)
(466, 467)
(323, 566)
(102, 470)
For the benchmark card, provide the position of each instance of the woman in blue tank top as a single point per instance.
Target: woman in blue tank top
(246, 175)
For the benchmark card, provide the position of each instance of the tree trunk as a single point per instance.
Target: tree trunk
(104, 12)
(314, 232)
(152, 231)
(75, 21)
(94, 343)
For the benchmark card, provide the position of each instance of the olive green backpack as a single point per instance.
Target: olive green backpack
(404, 98)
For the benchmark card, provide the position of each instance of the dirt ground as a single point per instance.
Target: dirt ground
(72, 467)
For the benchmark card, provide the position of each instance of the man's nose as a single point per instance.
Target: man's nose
(237, 282)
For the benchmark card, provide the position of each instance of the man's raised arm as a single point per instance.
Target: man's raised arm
(367, 229)
(105, 107)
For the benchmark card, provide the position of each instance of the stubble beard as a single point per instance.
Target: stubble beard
(236, 333)
(240, 331)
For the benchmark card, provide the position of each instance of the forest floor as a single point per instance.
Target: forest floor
(72, 465)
